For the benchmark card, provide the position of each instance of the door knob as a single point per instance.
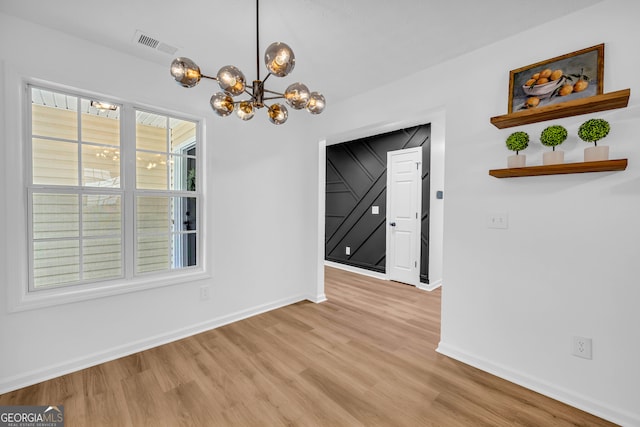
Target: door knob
(393, 224)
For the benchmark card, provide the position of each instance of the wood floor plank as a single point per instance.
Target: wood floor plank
(316, 408)
(101, 407)
(348, 397)
(365, 357)
(192, 406)
(146, 401)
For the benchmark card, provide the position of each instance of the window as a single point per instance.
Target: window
(166, 226)
(112, 192)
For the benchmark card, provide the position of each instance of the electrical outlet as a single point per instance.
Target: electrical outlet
(204, 292)
(497, 220)
(582, 347)
(347, 250)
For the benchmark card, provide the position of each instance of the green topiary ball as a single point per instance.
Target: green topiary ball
(553, 135)
(593, 130)
(518, 141)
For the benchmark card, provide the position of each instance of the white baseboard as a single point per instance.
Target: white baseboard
(569, 397)
(29, 378)
(381, 276)
(318, 298)
(363, 271)
(429, 286)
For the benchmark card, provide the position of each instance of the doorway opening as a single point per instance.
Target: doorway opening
(366, 257)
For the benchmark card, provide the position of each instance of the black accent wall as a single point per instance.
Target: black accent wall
(356, 181)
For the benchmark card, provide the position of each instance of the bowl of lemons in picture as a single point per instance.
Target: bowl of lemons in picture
(544, 83)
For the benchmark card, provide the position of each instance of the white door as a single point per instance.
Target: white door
(404, 201)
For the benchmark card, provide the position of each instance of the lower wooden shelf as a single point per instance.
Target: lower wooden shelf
(563, 168)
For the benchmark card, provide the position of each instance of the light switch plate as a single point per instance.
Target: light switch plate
(375, 210)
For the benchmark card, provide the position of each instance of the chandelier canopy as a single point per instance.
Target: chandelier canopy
(279, 60)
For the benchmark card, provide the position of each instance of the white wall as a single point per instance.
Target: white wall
(260, 214)
(513, 299)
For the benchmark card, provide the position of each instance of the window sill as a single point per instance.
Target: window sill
(52, 297)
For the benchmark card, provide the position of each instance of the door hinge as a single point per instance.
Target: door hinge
(415, 263)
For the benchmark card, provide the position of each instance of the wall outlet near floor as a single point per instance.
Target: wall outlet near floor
(498, 220)
(205, 290)
(347, 250)
(582, 347)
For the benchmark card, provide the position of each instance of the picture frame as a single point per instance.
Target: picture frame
(583, 70)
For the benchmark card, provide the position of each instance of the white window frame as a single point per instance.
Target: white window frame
(178, 211)
(21, 297)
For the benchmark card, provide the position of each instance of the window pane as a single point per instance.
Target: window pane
(182, 133)
(102, 258)
(101, 125)
(151, 132)
(101, 215)
(152, 215)
(151, 171)
(55, 262)
(183, 216)
(183, 173)
(55, 216)
(54, 114)
(184, 250)
(55, 162)
(100, 166)
(152, 253)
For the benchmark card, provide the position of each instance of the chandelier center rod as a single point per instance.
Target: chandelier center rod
(257, 40)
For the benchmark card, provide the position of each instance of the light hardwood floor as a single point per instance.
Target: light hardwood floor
(366, 357)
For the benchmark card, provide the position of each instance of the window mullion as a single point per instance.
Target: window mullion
(167, 151)
(128, 183)
(81, 267)
(79, 141)
(170, 215)
(80, 196)
(30, 234)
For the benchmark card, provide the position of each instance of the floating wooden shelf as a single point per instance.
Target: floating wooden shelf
(602, 166)
(607, 101)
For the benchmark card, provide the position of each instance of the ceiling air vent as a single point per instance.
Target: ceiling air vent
(146, 40)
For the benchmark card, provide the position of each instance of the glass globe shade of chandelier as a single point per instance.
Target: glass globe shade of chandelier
(279, 60)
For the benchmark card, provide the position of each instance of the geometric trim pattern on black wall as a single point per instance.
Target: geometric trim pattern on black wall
(356, 181)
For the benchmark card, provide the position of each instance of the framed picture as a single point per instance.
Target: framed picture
(572, 76)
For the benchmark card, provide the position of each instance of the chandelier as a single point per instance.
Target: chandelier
(279, 60)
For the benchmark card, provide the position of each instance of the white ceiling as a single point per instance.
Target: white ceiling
(342, 47)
